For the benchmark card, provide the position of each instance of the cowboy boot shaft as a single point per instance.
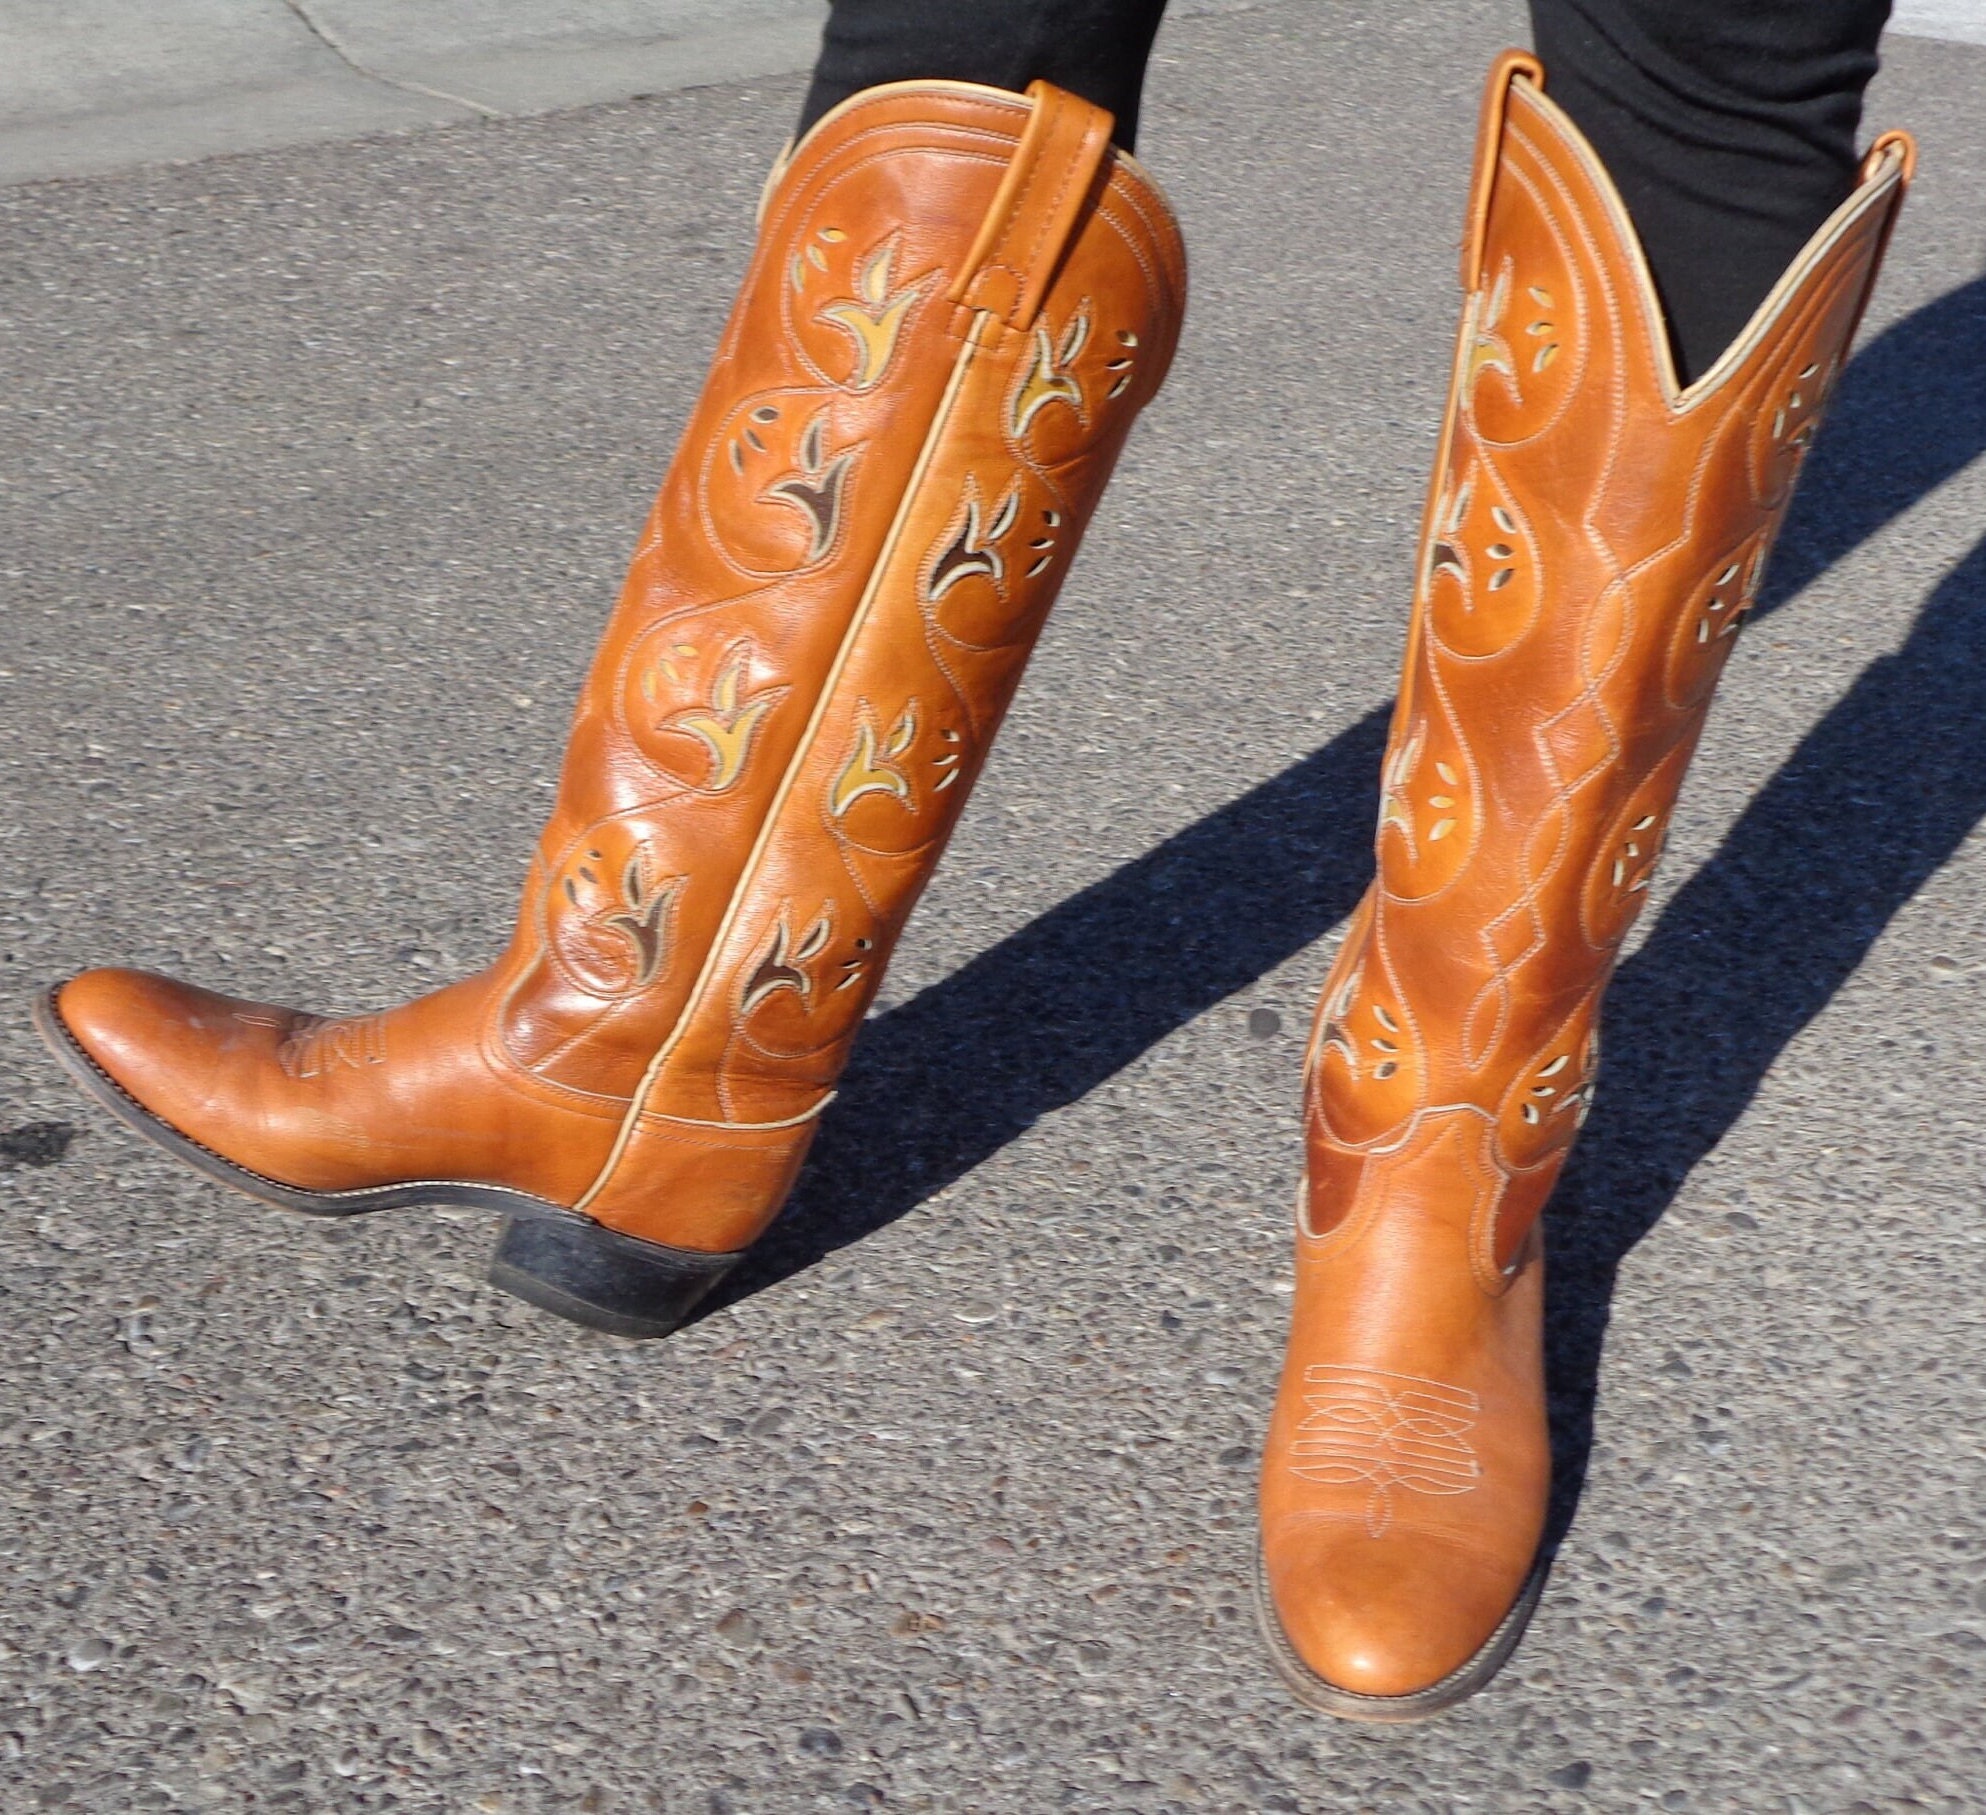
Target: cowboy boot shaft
(1593, 540)
(764, 542)
(1060, 324)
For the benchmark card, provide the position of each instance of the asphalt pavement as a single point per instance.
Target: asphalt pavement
(99, 85)
(320, 467)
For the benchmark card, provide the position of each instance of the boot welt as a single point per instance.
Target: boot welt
(1458, 1685)
(549, 1256)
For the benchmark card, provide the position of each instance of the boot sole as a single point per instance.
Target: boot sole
(547, 1255)
(1458, 1685)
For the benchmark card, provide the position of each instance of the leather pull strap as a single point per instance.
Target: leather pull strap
(1034, 213)
(1489, 152)
(1898, 144)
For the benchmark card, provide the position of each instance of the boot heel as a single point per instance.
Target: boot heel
(605, 1280)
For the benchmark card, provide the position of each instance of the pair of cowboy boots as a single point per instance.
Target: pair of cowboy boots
(959, 302)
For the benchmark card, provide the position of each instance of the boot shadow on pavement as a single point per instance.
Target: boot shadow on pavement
(1875, 799)
(1748, 951)
(1042, 1018)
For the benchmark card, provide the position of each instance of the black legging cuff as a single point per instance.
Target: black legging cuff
(1728, 127)
(1093, 48)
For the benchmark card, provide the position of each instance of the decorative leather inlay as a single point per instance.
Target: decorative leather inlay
(1592, 548)
(873, 319)
(828, 607)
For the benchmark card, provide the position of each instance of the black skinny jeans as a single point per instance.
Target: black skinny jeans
(1728, 125)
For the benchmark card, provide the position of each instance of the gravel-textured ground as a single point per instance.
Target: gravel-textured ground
(320, 467)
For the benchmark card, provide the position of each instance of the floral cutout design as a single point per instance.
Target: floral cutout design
(1427, 813)
(1725, 606)
(1538, 342)
(968, 549)
(1548, 1101)
(1788, 423)
(777, 477)
(815, 489)
(1522, 356)
(643, 918)
(783, 963)
(1384, 1059)
(1368, 1063)
(1798, 415)
(1717, 611)
(1482, 571)
(1624, 858)
(1046, 378)
(1638, 853)
(1556, 1091)
(871, 767)
(873, 318)
(617, 938)
(727, 723)
(1489, 350)
(1397, 804)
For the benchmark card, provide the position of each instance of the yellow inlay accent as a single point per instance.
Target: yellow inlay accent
(1047, 381)
(875, 321)
(725, 728)
(870, 771)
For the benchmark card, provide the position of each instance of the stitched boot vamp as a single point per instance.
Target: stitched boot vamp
(1408, 1448)
(331, 1104)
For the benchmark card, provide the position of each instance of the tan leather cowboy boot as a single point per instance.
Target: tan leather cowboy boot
(959, 302)
(1594, 537)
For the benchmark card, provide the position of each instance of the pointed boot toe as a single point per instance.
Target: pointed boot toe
(1391, 1629)
(198, 1074)
(162, 1048)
